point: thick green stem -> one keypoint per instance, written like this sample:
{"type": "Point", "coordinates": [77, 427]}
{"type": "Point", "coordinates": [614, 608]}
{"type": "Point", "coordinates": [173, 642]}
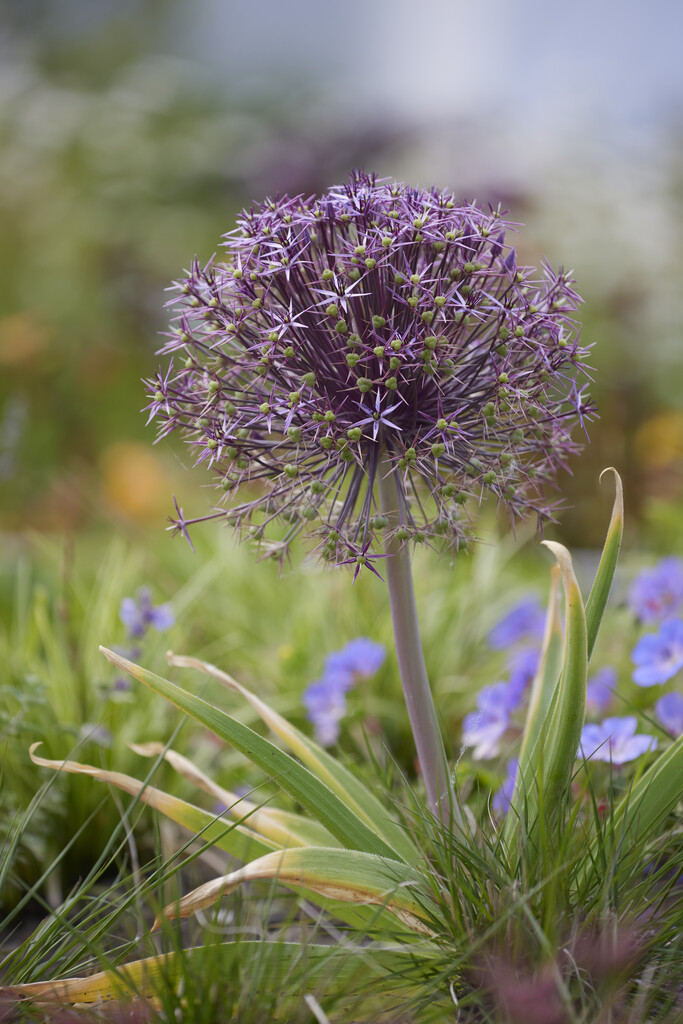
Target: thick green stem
{"type": "Point", "coordinates": [411, 664]}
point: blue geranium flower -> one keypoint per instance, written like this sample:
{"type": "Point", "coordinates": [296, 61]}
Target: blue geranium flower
{"type": "Point", "coordinates": [669, 711]}
{"type": "Point", "coordinates": [525, 621]}
{"type": "Point", "coordinates": [614, 741]}
{"type": "Point", "coordinates": [325, 699]}
{"type": "Point", "coordinates": [361, 657]}
{"type": "Point", "coordinates": [138, 614]}
{"type": "Point", "coordinates": [601, 687]}
{"type": "Point", "coordinates": [503, 797]}
{"type": "Point", "coordinates": [659, 656]}
{"type": "Point", "coordinates": [657, 592]}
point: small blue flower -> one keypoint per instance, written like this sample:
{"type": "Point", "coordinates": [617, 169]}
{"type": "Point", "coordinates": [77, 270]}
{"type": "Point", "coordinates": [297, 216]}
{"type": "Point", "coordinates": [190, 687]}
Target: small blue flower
{"type": "Point", "coordinates": [522, 665]}
{"type": "Point", "coordinates": [325, 703]}
{"type": "Point", "coordinates": [657, 592]}
{"type": "Point", "coordinates": [484, 728]}
{"type": "Point", "coordinates": [669, 711]}
{"type": "Point", "coordinates": [659, 656]}
{"type": "Point", "coordinates": [601, 689]}
{"type": "Point", "coordinates": [325, 700]}
{"type": "Point", "coordinates": [95, 734]}
{"type": "Point", "coordinates": [525, 621]}
{"type": "Point", "coordinates": [360, 657]}
{"type": "Point", "coordinates": [138, 614]}
{"type": "Point", "coordinates": [503, 797]}
{"type": "Point", "coordinates": [614, 741]}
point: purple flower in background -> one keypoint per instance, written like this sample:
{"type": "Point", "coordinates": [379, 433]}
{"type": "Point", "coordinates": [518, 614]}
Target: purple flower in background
{"type": "Point", "coordinates": [325, 703]}
{"type": "Point", "coordinates": [657, 592]}
{"type": "Point", "coordinates": [525, 621]}
{"type": "Point", "coordinates": [503, 797]}
{"type": "Point", "coordinates": [377, 325]}
{"type": "Point", "coordinates": [669, 711]}
{"type": "Point", "coordinates": [361, 657]}
{"type": "Point", "coordinates": [484, 728]}
{"type": "Point", "coordinates": [601, 687]}
{"type": "Point", "coordinates": [522, 665]}
{"type": "Point", "coordinates": [138, 614]}
{"type": "Point", "coordinates": [614, 741]}
{"type": "Point", "coordinates": [659, 656]}
{"type": "Point", "coordinates": [325, 700]}
{"type": "Point", "coordinates": [95, 734]}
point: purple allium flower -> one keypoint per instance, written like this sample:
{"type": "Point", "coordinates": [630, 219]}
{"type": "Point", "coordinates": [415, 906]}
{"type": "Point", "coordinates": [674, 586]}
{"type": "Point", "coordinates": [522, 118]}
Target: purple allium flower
{"type": "Point", "coordinates": [659, 656]}
{"type": "Point", "coordinates": [138, 614]}
{"type": "Point", "coordinates": [503, 797]}
{"type": "Point", "coordinates": [657, 592]}
{"type": "Point", "coordinates": [669, 711]}
{"type": "Point", "coordinates": [601, 687]}
{"type": "Point", "coordinates": [377, 325]}
{"type": "Point", "coordinates": [361, 657]}
{"type": "Point", "coordinates": [525, 621]}
{"type": "Point", "coordinates": [614, 740]}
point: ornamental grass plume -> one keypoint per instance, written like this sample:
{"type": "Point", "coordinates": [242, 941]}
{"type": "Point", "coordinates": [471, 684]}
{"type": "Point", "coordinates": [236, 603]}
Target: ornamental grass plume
{"type": "Point", "coordinates": [360, 366]}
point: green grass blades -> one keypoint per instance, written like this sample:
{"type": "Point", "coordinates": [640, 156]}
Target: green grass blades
{"type": "Point", "coordinates": [328, 769]}
{"type": "Point", "coordinates": [636, 815]}
{"type": "Point", "coordinates": [316, 798]}
{"type": "Point", "coordinates": [345, 875]}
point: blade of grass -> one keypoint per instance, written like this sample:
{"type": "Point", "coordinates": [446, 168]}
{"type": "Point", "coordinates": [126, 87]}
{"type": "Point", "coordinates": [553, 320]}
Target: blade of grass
{"type": "Point", "coordinates": [602, 584]}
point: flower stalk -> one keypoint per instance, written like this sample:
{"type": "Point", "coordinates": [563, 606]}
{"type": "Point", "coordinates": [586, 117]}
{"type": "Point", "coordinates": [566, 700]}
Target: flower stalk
{"type": "Point", "coordinates": [411, 663]}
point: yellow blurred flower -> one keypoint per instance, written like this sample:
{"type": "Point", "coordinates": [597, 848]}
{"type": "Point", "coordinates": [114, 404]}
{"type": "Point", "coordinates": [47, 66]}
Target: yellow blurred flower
{"type": "Point", "coordinates": [659, 440]}
{"type": "Point", "coordinates": [134, 481]}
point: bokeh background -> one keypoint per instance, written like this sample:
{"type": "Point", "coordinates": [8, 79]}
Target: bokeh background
{"type": "Point", "coordinates": [131, 131]}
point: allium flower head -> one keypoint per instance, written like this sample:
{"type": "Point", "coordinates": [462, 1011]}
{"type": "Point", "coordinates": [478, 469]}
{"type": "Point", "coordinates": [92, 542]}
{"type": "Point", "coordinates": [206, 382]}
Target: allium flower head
{"type": "Point", "coordinates": [377, 328]}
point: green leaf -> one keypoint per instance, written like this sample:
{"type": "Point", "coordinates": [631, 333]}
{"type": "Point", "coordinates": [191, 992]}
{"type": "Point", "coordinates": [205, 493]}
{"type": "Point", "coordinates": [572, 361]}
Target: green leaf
{"type": "Point", "coordinates": [544, 777]}
{"type": "Point", "coordinates": [602, 584]}
{"type": "Point", "coordinates": [318, 800]}
{"type": "Point", "coordinates": [355, 794]}
{"type": "Point", "coordinates": [346, 875]}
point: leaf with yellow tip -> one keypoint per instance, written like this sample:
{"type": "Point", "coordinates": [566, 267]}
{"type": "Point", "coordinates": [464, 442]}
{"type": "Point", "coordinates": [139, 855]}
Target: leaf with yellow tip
{"type": "Point", "coordinates": [235, 838]}
{"type": "Point", "coordinates": [345, 875]}
{"type": "Point", "coordinates": [317, 798]}
{"type": "Point", "coordinates": [283, 828]}
{"type": "Point", "coordinates": [331, 967]}
{"type": "Point", "coordinates": [356, 795]}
